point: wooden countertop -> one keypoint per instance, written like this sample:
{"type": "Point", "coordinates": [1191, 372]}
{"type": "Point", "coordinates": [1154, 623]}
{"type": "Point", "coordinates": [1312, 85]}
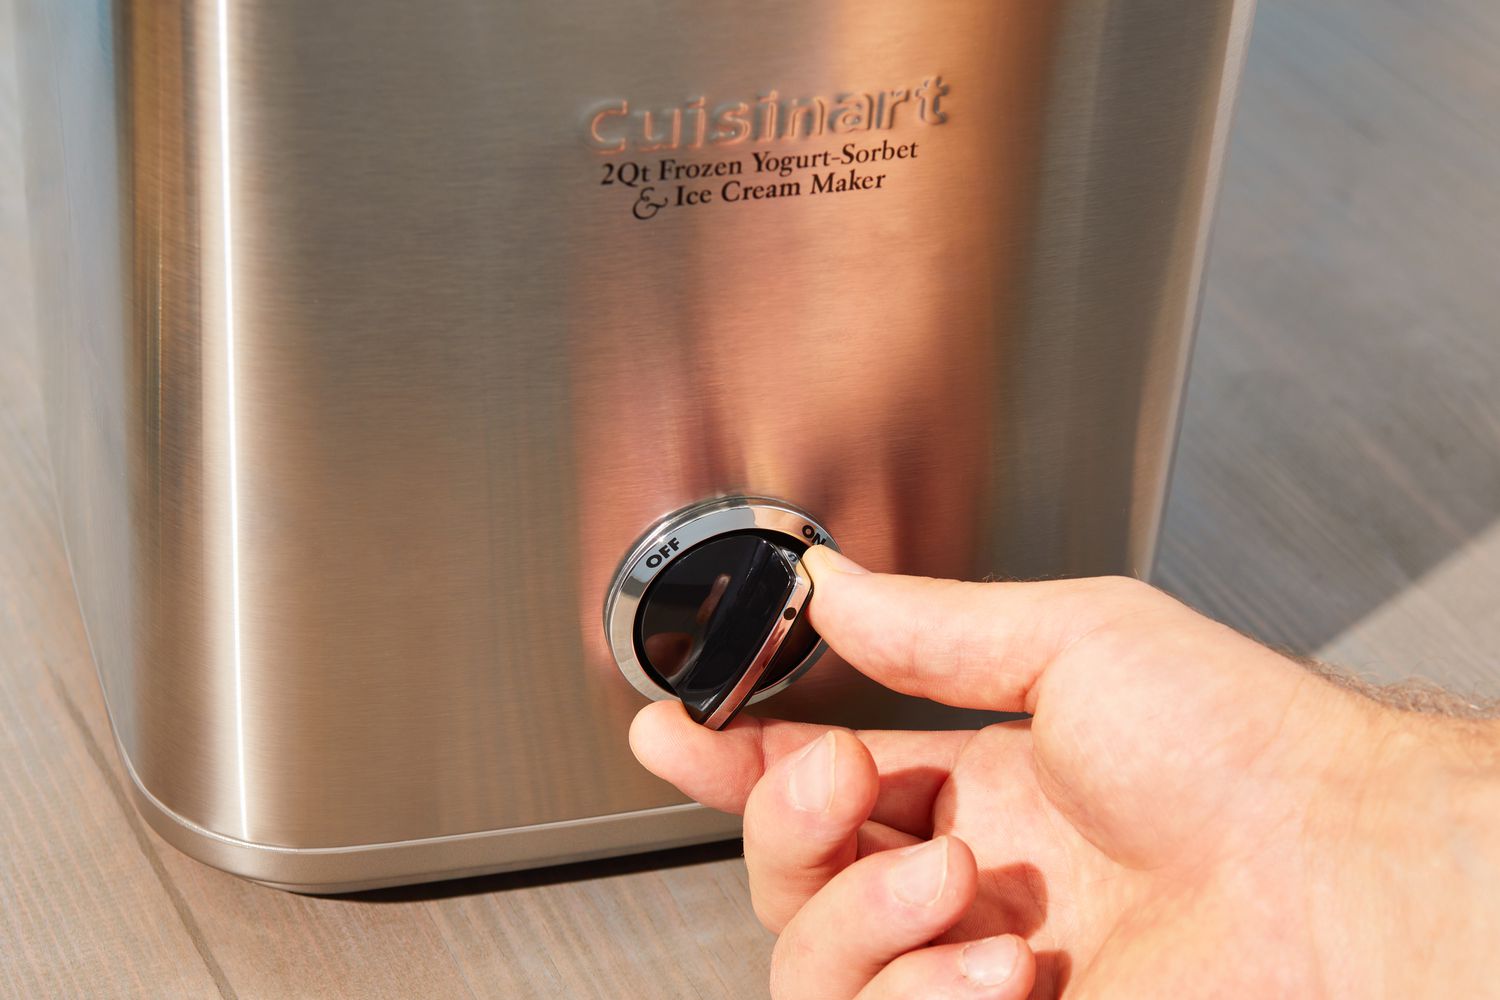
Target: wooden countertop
{"type": "Point", "coordinates": [1337, 492]}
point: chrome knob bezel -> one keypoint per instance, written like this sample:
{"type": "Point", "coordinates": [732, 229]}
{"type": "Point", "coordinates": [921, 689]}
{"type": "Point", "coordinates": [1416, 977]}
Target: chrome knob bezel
{"type": "Point", "coordinates": [689, 527]}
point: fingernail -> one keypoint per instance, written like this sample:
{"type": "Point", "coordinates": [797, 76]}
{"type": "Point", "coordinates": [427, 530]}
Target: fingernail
{"type": "Point", "coordinates": [812, 775]}
{"type": "Point", "coordinates": [918, 879]}
{"type": "Point", "coordinates": [990, 962]}
{"type": "Point", "coordinates": [831, 558]}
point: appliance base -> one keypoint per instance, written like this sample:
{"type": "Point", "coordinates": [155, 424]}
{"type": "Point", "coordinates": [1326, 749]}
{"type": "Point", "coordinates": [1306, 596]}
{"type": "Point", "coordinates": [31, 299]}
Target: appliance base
{"type": "Point", "coordinates": [332, 870]}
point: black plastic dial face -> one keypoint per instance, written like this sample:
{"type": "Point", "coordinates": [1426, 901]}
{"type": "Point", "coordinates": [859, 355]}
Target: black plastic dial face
{"type": "Point", "coordinates": [707, 614]}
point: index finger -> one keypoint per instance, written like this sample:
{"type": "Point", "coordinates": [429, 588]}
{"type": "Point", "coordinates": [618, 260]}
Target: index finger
{"type": "Point", "coordinates": [975, 645]}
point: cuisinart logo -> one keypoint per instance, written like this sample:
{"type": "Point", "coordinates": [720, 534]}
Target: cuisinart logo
{"type": "Point", "coordinates": [617, 127]}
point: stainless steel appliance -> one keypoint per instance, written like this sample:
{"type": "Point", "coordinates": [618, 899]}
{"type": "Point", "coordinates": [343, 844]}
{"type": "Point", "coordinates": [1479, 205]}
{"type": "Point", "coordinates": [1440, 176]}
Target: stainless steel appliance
{"type": "Point", "coordinates": [376, 336]}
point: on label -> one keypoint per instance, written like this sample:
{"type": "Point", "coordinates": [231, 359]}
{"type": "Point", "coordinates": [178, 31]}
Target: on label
{"type": "Point", "coordinates": [814, 536]}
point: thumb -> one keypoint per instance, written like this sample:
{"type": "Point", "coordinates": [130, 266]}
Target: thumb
{"type": "Point", "coordinates": [975, 645]}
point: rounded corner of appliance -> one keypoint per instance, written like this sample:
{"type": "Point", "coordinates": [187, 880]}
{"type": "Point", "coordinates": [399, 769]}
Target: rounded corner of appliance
{"type": "Point", "coordinates": [327, 871]}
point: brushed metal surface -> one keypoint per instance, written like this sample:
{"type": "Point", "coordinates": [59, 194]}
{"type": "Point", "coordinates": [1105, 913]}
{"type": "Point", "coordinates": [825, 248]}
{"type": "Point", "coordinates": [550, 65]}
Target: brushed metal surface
{"type": "Point", "coordinates": [360, 382]}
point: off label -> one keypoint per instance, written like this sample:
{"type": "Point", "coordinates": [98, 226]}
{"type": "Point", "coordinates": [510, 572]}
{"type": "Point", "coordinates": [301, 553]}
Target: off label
{"type": "Point", "coordinates": [667, 550]}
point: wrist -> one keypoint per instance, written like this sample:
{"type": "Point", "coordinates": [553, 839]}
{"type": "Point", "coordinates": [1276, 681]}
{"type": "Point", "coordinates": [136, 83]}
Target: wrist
{"type": "Point", "coordinates": [1421, 858]}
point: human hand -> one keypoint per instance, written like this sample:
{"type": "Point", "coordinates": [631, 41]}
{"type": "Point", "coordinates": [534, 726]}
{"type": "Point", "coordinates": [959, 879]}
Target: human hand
{"type": "Point", "coordinates": [1187, 813]}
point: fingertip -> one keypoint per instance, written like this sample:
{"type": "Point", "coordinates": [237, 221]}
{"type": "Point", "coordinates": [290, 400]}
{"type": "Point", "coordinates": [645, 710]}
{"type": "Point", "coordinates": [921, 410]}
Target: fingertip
{"type": "Point", "coordinates": [856, 763]}
{"type": "Point", "coordinates": [994, 968]}
{"type": "Point", "coordinates": [847, 601]}
{"type": "Point", "coordinates": [936, 880]}
{"type": "Point", "coordinates": [651, 732]}
{"type": "Point", "coordinates": [1000, 966]}
{"type": "Point", "coordinates": [821, 791]}
{"type": "Point", "coordinates": [826, 560]}
{"type": "Point", "coordinates": [963, 854]}
{"type": "Point", "coordinates": [961, 887]}
{"type": "Point", "coordinates": [963, 872]}
{"type": "Point", "coordinates": [855, 780]}
{"type": "Point", "coordinates": [873, 914]}
{"type": "Point", "coordinates": [717, 769]}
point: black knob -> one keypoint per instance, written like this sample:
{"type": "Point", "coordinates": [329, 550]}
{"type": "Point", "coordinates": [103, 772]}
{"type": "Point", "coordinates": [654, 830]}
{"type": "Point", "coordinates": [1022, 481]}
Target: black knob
{"type": "Point", "coordinates": [724, 619]}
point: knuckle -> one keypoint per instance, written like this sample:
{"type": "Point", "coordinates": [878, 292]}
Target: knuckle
{"type": "Point", "coordinates": [1116, 609]}
{"type": "Point", "coordinates": [1128, 589]}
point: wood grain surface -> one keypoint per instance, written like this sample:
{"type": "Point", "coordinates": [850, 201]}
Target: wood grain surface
{"type": "Point", "coordinates": [1337, 492]}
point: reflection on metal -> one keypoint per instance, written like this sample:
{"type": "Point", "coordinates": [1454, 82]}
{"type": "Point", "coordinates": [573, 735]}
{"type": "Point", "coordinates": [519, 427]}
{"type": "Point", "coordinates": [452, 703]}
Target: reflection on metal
{"type": "Point", "coordinates": [231, 436]}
